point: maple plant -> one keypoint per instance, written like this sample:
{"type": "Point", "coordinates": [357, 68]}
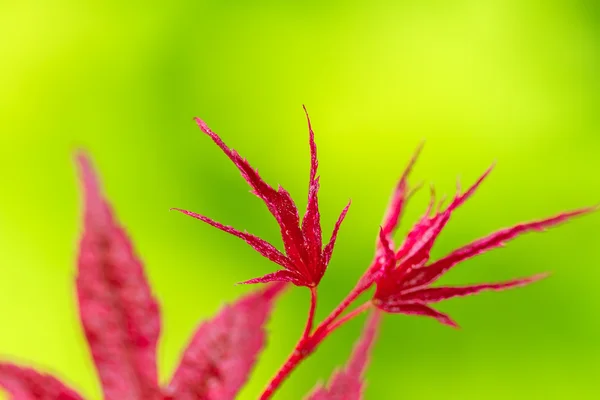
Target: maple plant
{"type": "Point", "coordinates": [121, 317]}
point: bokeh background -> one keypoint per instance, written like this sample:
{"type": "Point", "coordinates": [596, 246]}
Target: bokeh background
{"type": "Point", "coordinates": [481, 80]}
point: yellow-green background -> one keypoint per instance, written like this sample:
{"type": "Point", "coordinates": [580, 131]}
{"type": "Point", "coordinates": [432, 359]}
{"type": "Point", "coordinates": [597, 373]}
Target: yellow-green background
{"type": "Point", "coordinates": [508, 80]}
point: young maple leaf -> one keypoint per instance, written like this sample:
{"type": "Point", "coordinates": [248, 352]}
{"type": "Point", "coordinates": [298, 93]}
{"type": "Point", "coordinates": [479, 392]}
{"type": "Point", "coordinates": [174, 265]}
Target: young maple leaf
{"type": "Point", "coordinates": [121, 321]}
{"type": "Point", "coordinates": [404, 275]}
{"type": "Point", "coordinates": [347, 384]}
{"type": "Point", "coordinates": [305, 258]}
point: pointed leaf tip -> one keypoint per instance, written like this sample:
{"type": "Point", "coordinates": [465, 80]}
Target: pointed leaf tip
{"type": "Point", "coordinates": [400, 195]}
{"type": "Point", "coordinates": [461, 198]}
{"type": "Point", "coordinates": [223, 351]}
{"type": "Point", "coordinates": [277, 276]}
{"type": "Point", "coordinates": [202, 125]}
{"type": "Point", "coordinates": [386, 258]}
{"type": "Point", "coordinates": [328, 250]}
{"type": "Point", "coordinates": [348, 384]}
{"type": "Point", "coordinates": [437, 294]}
{"type": "Point", "coordinates": [424, 276]}
{"type": "Point", "coordinates": [263, 247]}
{"type": "Point", "coordinates": [415, 251]}
{"type": "Point", "coordinates": [311, 222]}
{"type": "Point", "coordinates": [399, 307]}
{"type": "Point", "coordinates": [87, 176]}
{"type": "Point", "coordinates": [119, 315]}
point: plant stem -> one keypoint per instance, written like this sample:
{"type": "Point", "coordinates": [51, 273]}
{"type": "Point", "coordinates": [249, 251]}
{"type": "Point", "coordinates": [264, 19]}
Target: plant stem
{"type": "Point", "coordinates": [293, 360]}
{"type": "Point", "coordinates": [309, 342]}
{"type": "Point", "coordinates": [305, 347]}
{"type": "Point", "coordinates": [311, 313]}
{"type": "Point", "coordinates": [336, 324]}
{"type": "Point", "coordinates": [363, 284]}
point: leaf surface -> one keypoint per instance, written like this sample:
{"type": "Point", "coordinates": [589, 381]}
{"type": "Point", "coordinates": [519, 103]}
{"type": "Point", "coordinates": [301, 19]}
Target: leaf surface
{"type": "Point", "coordinates": [120, 316]}
{"type": "Point", "coordinates": [223, 351]}
{"type": "Point", "coordinates": [348, 384]}
{"type": "Point", "coordinates": [28, 384]}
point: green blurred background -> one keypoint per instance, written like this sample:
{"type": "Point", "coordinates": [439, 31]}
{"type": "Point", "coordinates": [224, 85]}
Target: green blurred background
{"type": "Point", "coordinates": [508, 80]}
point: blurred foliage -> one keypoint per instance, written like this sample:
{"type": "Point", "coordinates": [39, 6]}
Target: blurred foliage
{"type": "Point", "coordinates": [510, 80]}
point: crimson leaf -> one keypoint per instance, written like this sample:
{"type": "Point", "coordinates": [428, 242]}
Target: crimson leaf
{"type": "Point", "coordinates": [119, 315]}
{"type": "Point", "coordinates": [347, 384]}
{"type": "Point", "coordinates": [223, 351]}
{"type": "Point", "coordinates": [28, 384]}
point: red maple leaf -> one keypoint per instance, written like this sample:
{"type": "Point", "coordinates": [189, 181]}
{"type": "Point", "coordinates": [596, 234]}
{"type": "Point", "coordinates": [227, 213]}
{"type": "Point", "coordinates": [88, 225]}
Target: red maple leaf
{"type": "Point", "coordinates": [305, 258]}
{"type": "Point", "coordinates": [121, 321]}
{"type": "Point", "coordinates": [347, 384]}
{"type": "Point", "coordinates": [404, 275]}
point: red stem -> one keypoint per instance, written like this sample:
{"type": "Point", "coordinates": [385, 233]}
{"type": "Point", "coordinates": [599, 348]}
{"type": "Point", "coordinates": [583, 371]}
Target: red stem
{"type": "Point", "coordinates": [362, 285]}
{"type": "Point", "coordinates": [311, 313]}
{"type": "Point", "coordinates": [352, 314]}
{"type": "Point", "coordinates": [305, 347]}
{"type": "Point", "coordinates": [293, 360]}
{"type": "Point", "coordinates": [309, 342]}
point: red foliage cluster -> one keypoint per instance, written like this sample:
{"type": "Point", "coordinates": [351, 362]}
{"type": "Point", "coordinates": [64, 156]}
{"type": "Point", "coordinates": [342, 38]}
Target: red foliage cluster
{"type": "Point", "coordinates": [306, 259]}
{"type": "Point", "coordinates": [121, 317]}
{"type": "Point", "coordinates": [404, 276]}
{"type": "Point", "coordinates": [121, 321]}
